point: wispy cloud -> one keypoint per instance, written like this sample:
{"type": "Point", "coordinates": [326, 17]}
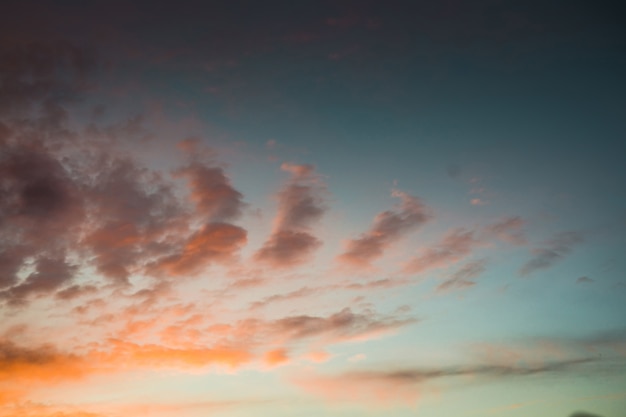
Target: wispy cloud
{"type": "Point", "coordinates": [388, 227]}
{"type": "Point", "coordinates": [454, 246]}
{"type": "Point", "coordinates": [405, 386]}
{"type": "Point", "coordinates": [508, 229]}
{"type": "Point", "coordinates": [463, 278]}
{"type": "Point", "coordinates": [552, 252]}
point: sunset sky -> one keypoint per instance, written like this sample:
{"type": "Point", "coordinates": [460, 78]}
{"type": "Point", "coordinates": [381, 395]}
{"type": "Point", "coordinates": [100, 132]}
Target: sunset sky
{"type": "Point", "coordinates": [312, 208]}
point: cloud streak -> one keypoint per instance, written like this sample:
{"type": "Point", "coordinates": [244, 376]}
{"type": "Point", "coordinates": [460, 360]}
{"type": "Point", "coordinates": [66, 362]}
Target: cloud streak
{"type": "Point", "coordinates": [388, 227]}
{"type": "Point", "coordinates": [552, 252]}
{"type": "Point", "coordinates": [405, 386]}
{"type": "Point", "coordinates": [455, 246]}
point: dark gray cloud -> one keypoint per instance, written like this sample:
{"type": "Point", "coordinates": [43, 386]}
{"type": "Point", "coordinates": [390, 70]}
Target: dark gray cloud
{"type": "Point", "coordinates": [50, 274]}
{"type": "Point", "coordinates": [64, 196]}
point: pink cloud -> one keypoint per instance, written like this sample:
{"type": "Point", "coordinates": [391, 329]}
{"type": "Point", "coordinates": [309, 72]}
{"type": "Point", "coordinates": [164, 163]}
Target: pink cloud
{"type": "Point", "coordinates": [455, 246]}
{"type": "Point", "coordinates": [301, 204]}
{"type": "Point", "coordinates": [388, 227]}
{"type": "Point", "coordinates": [212, 192]}
{"type": "Point", "coordinates": [214, 242]}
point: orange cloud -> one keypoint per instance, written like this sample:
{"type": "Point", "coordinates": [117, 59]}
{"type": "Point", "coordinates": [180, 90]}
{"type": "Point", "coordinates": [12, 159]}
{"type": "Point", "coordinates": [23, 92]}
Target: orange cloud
{"type": "Point", "coordinates": [122, 354]}
{"type": "Point", "coordinates": [43, 363]}
{"type": "Point", "coordinates": [276, 357]}
{"type": "Point", "coordinates": [215, 241]}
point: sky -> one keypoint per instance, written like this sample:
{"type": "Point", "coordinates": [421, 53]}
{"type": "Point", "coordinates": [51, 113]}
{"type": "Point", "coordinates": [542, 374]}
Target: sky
{"type": "Point", "coordinates": [312, 208]}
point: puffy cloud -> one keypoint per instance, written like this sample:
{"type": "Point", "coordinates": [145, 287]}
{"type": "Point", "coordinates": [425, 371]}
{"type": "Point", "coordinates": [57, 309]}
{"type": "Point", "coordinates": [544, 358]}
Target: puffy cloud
{"type": "Point", "coordinates": [49, 275]}
{"type": "Point", "coordinates": [554, 250]}
{"type": "Point", "coordinates": [212, 192]}
{"type": "Point", "coordinates": [455, 246]}
{"type": "Point", "coordinates": [136, 210]}
{"type": "Point", "coordinates": [41, 210]}
{"type": "Point", "coordinates": [301, 204]}
{"type": "Point", "coordinates": [64, 196]}
{"type": "Point", "coordinates": [388, 227]}
{"type": "Point", "coordinates": [214, 242]}
{"type": "Point", "coordinates": [42, 363]}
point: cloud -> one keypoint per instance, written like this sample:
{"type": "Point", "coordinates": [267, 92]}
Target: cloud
{"type": "Point", "coordinates": [214, 242]}
{"type": "Point", "coordinates": [276, 357]}
{"type": "Point", "coordinates": [299, 293]}
{"type": "Point", "coordinates": [150, 356]}
{"type": "Point", "coordinates": [552, 252]}
{"type": "Point", "coordinates": [41, 210]}
{"type": "Point", "coordinates": [456, 245]}
{"type": "Point", "coordinates": [508, 230]}
{"type": "Point", "coordinates": [478, 202]}
{"type": "Point", "coordinates": [49, 275]}
{"type": "Point", "coordinates": [212, 192]}
{"type": "Point", "coordinates": [584, 280]}
{"type": "Point", "coordinates": [42, 363]}
{"type": "Point", "coordinates": [301, 204]}
{"type": "Point", "coordinates": [405, 386]}
{"type": "Point", "coordinates": [287, 248]}
{"type": "Point", "coordinates": [76, 291]}
{"type": "Point", "coordinates": [64, 196]}
{"type": "Point", "coordinates": [388, 227]}
{"type": "Point", "coordinates": [463, 277]}
{"type": "Point", "coordinates": [342, 326]}
{"type": "Point", "coordinates": [136, 209]}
